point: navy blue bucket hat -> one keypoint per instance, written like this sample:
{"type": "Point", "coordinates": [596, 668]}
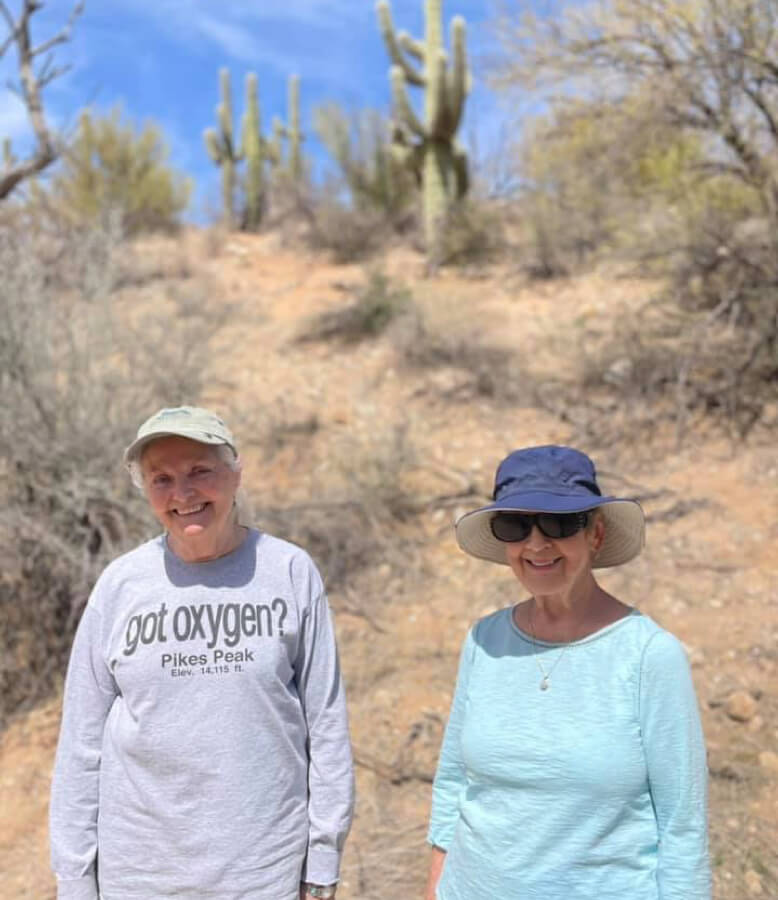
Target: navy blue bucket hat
{"type": "Point", "coordinates": [553, 479]}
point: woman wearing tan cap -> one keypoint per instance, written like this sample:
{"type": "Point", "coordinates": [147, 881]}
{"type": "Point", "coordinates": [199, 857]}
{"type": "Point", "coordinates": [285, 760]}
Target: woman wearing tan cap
{"type": "Point", "coordinates": [204, 748]}
{"type": "Point", "coordinates": [573, 764]}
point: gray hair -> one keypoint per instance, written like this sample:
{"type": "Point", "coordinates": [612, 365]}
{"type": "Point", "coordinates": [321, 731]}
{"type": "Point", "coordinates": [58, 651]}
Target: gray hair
{"type": "Point", "coordinates": [225, 453]}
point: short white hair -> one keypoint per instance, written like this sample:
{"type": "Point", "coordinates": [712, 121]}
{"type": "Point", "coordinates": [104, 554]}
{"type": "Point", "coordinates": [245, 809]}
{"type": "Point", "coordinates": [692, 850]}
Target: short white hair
{"type": "Point", "coordinates": [225, 453]}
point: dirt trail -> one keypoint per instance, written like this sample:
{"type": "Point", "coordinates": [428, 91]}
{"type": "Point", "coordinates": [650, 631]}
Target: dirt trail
{"type": "Point", "coordinates": [320, 419]}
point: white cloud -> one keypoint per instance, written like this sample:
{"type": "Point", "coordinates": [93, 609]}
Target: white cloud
{"type": "Point", "coordinates": [14, 122]}
{"type": "Point", "coordinates": [237, 42]}
{"type": "Point", "coordinates": [240, 13]}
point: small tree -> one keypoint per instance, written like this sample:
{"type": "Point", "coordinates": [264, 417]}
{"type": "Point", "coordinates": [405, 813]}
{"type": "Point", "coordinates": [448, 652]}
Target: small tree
{"type": "Point", "coordinates": [701, 75]}
{"type": "Point", "coordinates": [111, 165]}
{"type": "Point", "coordinates": [709, 67]}
{"type": "Point", "coordinates": [597, 177]}
{"type": "Point", "coordinates": [32, 83]}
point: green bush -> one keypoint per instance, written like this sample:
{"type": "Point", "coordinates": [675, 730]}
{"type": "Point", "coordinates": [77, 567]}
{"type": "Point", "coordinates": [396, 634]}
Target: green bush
{"type": "Point", "coordinates": [473, 233]}
{"type": "Point", "coordinates": [348, 233]}
{"type": "Point", "coordinates": [110, 165]}
{"type": "Point", "coordinates": [376, 303]}
{"type": "Point", "coordinates": [375, 181]}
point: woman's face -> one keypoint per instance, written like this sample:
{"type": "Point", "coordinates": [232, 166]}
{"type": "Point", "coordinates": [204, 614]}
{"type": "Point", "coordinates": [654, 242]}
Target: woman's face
{"type": "Point", "coordinates": [548, 566]}
{"type": "Point", "coordinates": [191, 491]}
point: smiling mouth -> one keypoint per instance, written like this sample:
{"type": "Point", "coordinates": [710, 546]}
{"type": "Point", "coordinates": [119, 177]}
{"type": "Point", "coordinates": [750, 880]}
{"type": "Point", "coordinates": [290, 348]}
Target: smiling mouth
{"type": "Point", "coordinates": [541, 564]}
{"type": "Point", "coordinates": [190, 511]}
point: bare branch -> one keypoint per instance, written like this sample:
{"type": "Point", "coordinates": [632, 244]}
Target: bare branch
{"type": "Point", "coordinates": [32, 85]}
{"type": "Point", "coordinates": [64, 35]}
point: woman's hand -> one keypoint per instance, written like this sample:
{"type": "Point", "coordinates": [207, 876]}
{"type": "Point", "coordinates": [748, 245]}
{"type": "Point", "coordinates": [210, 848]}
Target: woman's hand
{"type": "Point", "coordinates": [304, 895]}
{"type": "Point", "coordinates": [437, 859]}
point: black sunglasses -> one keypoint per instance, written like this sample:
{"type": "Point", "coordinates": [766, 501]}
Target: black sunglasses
{"type": "Point", "coordinates": [510, 526]}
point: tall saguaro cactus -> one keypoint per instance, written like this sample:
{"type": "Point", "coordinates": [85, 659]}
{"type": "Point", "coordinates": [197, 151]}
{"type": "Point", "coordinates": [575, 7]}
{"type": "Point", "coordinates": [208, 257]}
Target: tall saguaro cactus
{"type": "Point", "coordinates": [433, 148]}
{"type": "Point", "coordinates": [292, 162]}
{"type": "Point", "coordinates": [254, 148]}
{"type": "Point", "coordinates": [293, 129]}
{"type": "Point", "coordinates": [222, 148]}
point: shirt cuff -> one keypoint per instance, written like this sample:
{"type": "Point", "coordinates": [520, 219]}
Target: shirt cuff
{"type": "Point", "coordinates": [321, 867]}
{"type": "Point", "coordinates": [84, 888]}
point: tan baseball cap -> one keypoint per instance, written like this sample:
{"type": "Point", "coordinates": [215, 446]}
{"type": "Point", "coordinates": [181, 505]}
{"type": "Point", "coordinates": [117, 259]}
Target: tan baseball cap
{"type": "Point", "coordinates": [191, 422]}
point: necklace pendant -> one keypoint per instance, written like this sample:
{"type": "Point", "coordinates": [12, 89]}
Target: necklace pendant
{"type": "Point", "coordinates": [544, 683]}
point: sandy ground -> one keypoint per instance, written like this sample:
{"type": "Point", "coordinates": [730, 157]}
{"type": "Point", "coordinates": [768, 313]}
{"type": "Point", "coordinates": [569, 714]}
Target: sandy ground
{"type": "Point", "coordinates": [325, 420]}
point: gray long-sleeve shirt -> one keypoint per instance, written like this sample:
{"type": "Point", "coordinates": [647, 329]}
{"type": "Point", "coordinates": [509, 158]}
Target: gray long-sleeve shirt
{"type": "Point", "coordinates": [204, 749]}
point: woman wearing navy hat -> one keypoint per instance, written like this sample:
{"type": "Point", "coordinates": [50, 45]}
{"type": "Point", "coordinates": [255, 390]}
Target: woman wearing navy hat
{"type": "Point", "coordinates": [573, 764]}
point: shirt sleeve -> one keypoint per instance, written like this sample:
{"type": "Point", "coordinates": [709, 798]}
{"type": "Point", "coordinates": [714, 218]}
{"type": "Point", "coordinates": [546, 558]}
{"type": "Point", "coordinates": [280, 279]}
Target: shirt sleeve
{"type": "Point", "coordinates": [90, 691]}
{"type": "Point", "coordinates": [450, 777]}
{"type": "Point", "coordinates": [330, 765]}
{"type": "Point", "coordinates": [677, 770]}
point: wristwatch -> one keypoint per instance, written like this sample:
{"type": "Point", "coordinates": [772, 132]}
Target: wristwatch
{"type": "Point", "coordinates": [324, 891]}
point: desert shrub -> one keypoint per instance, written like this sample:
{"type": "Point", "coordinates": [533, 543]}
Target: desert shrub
{"type": "Point", "coordinates": [355, 521]}
{"type": "Point", "coordinates": [704, 353]}
{"type": "Point", "coordinates": [564, 197]}
{"type": "Point", "coordinates": [376, 303]}
{"type": "Point", "coordinates": [715, 85]}
{"type": "Point", "coordinates": [473, 233]}
{"type": "Point", "coordinates": [79, 369]}
{"type": "Point", "coordinates": [346, 232]}
{"type": "Point", "coordinates": [467, 366]}
{"type": "Point", "coordinates": [684, 163]}
{"type": "Point", "coordinates": [599, 180]}
{"type": "Point", "coordinates": [290, 205]}
{"type": "Point", "coordinates": [110, 165]}
{"type": "Point", "coordinates": [374, 179]}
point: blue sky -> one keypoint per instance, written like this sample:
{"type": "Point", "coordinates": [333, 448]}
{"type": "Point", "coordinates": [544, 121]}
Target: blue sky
{"type": "Point", "coordinates": [159, 59]}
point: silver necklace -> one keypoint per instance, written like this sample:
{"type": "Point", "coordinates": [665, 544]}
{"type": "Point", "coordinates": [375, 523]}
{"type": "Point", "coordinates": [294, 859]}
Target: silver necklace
{"type": "Point", "coordinates": [545, 682]}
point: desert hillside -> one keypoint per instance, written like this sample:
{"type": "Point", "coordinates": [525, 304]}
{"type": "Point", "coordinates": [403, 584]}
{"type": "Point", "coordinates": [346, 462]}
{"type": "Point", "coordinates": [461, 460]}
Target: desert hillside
{"type": "Point", "coordinates": [364, 442]}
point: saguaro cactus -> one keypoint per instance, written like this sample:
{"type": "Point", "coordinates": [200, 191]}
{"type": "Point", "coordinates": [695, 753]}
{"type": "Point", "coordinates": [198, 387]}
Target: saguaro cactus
{"type": "Point", "coordinates": [293, 129]}
{"type": "Point", "coordinates": [292, 162]}
{"type": "Point", "coordinates": [222, 149]}
{"type": "Point", "coordinates": [430, 145]}
{"type": "Point", "coordinates": [254, 149]}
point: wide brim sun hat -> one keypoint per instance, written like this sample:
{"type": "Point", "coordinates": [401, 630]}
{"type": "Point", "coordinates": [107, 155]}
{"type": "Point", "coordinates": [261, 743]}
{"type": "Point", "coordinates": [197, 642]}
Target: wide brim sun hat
{"type": "Point", "coordinates": [191, 422]}
{"type": "Point", "coordinates": [553, 479]}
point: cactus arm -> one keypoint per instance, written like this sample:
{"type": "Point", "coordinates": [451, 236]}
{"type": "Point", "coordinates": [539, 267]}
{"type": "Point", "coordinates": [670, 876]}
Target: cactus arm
{"type": "Point", "coordinates": [402, 154]}
{"type": "Point", "coordinates": [434, 96]}
{"type": "Point", "coordinates": [411, 46]}
{"type": "Point", "coordinates": [412, 75]}
{"type": "Point", "coordinates": [275, 146]}
{"type": "Point", "coordinates": [295, 135]}
{"type": "Point", "coordinates": [224, 114]}
{"type": "Point", "coordinates": [437, 114]}
{"type": "Point", "coordinates": [220, 146]}
{"type": "Point", "coordinates": [212, 145]}
{"type": "Point", "coordinates": [461, 171]}
{"type": "Point", "coordinates": [402, 104]}
{"type": "Point", "coordinates": [433, 27]}
{"type": "Point", "coordinates": [458, 86]}
{"type": "Point", "coordinates": [251, 126]}
{"type": "Point", "coordinates": [225, 129]}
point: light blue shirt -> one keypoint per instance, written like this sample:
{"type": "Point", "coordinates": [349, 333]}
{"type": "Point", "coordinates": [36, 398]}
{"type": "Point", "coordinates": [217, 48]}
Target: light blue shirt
{"type": "Point", "coordinates": [595, 789]}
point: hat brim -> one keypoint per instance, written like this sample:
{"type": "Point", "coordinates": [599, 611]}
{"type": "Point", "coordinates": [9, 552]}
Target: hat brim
{"type": "Point", "coordinates": [133, 452]}
{"type": "Point", "coordinates": [624, 525]}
